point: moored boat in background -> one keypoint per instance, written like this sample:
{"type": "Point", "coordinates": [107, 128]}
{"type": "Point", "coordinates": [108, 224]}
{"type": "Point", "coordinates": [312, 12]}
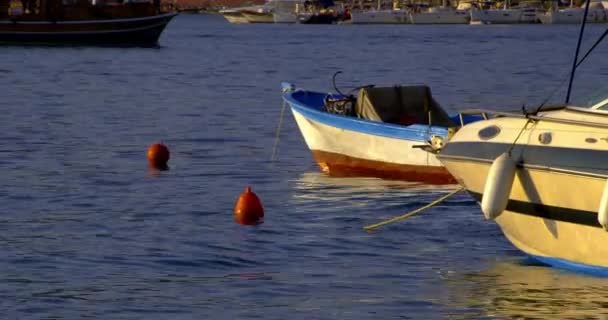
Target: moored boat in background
{"type": "Point", "coordinates": [97, 23]}
{"type": "Point", "coordinates": [233, 15]}
{"type": "Point", "coordinates": [385, 16]}
{"type": "Point", "coordinates": [258, 14]}
{"type": "Point", "coordinates": [573, 16]}
{"type": "Point", "coordinates": [439, 15]}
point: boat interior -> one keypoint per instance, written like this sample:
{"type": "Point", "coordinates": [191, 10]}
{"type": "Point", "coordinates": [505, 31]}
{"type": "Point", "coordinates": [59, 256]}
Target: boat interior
{"type": "Point", "coordinates": [401, 105]}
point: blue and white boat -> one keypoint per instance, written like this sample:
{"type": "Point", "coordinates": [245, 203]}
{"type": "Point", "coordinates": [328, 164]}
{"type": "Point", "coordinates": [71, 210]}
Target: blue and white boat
{"type": "Point", "coordinates": [379, 133]}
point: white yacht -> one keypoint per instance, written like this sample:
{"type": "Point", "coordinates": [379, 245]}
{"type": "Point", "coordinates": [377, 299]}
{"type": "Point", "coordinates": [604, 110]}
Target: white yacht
{"type": "Point", "coordinates": [233, 16]}
{"type": "Point", "coordinates": [573, 15]}
{"type": "Point", "coordinates": [505, 15]}
{"type": "Point", "coordinates": [386, 16]}
{"type": "Point", "coordinates": [258, 14]}
{"type": "Point", "coordinates": [495, 16]}
{"type": "Point", "coordinates": [440, 15]}
{"type": "Point", "coordinates": [384, 12]}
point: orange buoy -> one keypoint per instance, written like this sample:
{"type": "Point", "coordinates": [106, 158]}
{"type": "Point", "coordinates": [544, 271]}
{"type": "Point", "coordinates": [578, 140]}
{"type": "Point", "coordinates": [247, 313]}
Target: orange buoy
{"type": "Point", "coordinates": [158, 156]}
{"type": "Point", "coordinates": [248, 209]}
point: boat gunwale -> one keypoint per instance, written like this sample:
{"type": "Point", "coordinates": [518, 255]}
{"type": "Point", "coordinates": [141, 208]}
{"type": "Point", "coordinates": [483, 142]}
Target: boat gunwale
{"type": "Point", "coordinates": [91, 21]}
{"type": "Point", "coordinates": [543, 118]}
{"type": "Point", "coordinates": [372, 126]}
{"type": "Point", "coordinates": [522, 165]}
{"type": "Point", "coordinates": [152, 26]}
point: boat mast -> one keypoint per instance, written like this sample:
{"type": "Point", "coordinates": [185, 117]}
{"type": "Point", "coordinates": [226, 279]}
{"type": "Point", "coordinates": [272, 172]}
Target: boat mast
{"type": "Point", "coordinates": [578, 47]}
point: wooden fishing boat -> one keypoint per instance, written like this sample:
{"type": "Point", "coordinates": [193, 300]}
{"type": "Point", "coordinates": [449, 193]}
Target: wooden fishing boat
{"type": "Point", "coordinates": [376, 134]}
{"type": "Point", "coordinates": [55, 22]}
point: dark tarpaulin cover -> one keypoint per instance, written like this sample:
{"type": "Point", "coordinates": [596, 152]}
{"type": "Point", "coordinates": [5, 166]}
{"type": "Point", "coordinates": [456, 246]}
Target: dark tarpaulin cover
{"type": "Point", "coordinates": [401, 105]}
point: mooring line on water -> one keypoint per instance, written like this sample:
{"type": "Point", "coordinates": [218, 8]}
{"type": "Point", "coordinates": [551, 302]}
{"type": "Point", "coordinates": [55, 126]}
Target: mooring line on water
{"type": "Point", "coordinates": [414, 212]}
{"type": "Point", "coordinates": [276, 139]}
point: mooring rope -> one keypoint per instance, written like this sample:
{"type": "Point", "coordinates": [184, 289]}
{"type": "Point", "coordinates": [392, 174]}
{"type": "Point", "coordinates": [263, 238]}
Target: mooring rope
{"type": "Point", "coordinates": [414, 212]}
{"type": "Point", "coordinates": [278, 133]}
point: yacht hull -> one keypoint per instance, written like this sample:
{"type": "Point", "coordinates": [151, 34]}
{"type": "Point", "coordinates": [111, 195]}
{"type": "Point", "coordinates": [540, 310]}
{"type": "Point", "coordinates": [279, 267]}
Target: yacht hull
{"type": "Point", "coordinates": [440, 17]}
{"type": "Point", "coordinates": [379, 17]}
{"type": "Point", "coordinates": [573, 16]}
{"type": "Point", "coordinates": [496, 16]}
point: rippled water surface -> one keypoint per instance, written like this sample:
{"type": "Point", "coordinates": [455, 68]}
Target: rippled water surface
{"type": "Point", "coordinates": [88, 231]}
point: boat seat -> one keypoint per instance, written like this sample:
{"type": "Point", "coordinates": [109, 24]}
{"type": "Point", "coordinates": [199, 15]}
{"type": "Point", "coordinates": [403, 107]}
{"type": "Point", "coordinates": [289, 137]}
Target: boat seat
{"type": "Point", "coordinates": [402, 105]}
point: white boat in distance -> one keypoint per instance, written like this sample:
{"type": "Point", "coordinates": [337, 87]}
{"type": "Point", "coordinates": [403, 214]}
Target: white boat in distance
{"type": "Point", "coordinates": [233, 16]}
{"type": "Point", "coordinates": [573, 16]}
{"type": "Point", "coordinates": [388, 16]}
{"type": "Point", "coordinates": [439, 15]}
{"type": "Point", "coordinates": [258, 14]}
{"type": "Point", "coordinates": [495, 16]}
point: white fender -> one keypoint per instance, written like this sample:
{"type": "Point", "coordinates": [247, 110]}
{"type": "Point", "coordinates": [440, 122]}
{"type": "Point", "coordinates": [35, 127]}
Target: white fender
{"type": "Point", "coordinates": [602, 213]}
{"type": "Point", "coordinates": [498, 186]}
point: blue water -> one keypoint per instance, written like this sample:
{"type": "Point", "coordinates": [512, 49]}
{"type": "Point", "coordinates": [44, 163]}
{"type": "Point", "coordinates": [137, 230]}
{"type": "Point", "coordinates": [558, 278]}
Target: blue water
{"type": "Point", "coordinates": [88, 231]}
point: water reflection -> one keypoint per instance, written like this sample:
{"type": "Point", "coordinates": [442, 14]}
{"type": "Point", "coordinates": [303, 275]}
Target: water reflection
{"type": "Point", "coordinates": [319, 185]}
{"type": "Point", "coordinates": [524, 290]}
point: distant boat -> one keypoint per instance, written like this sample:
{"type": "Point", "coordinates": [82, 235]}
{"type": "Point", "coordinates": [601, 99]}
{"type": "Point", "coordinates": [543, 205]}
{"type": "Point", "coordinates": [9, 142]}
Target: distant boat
{"type": "Point", "coordinates": [381, 134]}
{"type": "Point", "coordinates": [504, 15]}
{"type": "Point", "coordinates": [62, 22]}
{"type": "Point", "coordinates": [573, 16]}
{"type": "Point", "coordinates": [380, 14]}
{"type": "Point", "coordinates": [233, 16]}
{"type": "Point", "coordinates": [388, 16]}
{"type": "Point", "coordinates": [495, 16]}
{"type": "Point", "coordinates": [439, 15]}
{"type": "Point", "coordinates": [258, 14]}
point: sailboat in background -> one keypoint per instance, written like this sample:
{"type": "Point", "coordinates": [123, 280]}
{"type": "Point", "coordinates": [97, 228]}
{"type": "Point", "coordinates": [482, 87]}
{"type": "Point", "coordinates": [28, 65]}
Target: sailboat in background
{"type": "Point", "coordinates": [444, 14]}
{"type": "Point", "coordinates": [572, 15]}
{"type": "Point", "coordinates": [379, 15]}
{"type": "Point", "coordinates": [233, 15]}
{"type": "Point", "coordinates": [82, 22]}
{"type": "Point", "coordinates": [505, 15]}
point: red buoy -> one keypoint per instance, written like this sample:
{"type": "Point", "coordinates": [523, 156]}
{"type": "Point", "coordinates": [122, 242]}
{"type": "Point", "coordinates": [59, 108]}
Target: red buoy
{"type": "Point", "coordinates": [248, 209]}
{"type": "Point", "coordinates": [158, 156]}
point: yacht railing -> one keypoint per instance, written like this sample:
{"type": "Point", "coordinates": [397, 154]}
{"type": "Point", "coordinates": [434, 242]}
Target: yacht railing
{"type": "Point", "coordinates": [487, 114]}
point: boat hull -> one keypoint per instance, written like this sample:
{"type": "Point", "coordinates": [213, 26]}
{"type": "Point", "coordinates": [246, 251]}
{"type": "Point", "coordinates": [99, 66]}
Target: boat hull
{"type": "Point", "coordinates": [379, 17]}
{"type": "Point", "coordinates": [135, 31]}
{"type": "Point", "coordinates": [496, 16]}
{"type": "Point", "coordinates": [552, 209]}
{"type": "Point", "coordinates": [258, 17]}
{"type": "Point", "coordinates": [441, 17]}
{"type": "Point", "coordinates": [234, 17]}
{"type": "Point", "coordinates": [347, 146]}
{"type": "Point", "coordinates": [573, 16]}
